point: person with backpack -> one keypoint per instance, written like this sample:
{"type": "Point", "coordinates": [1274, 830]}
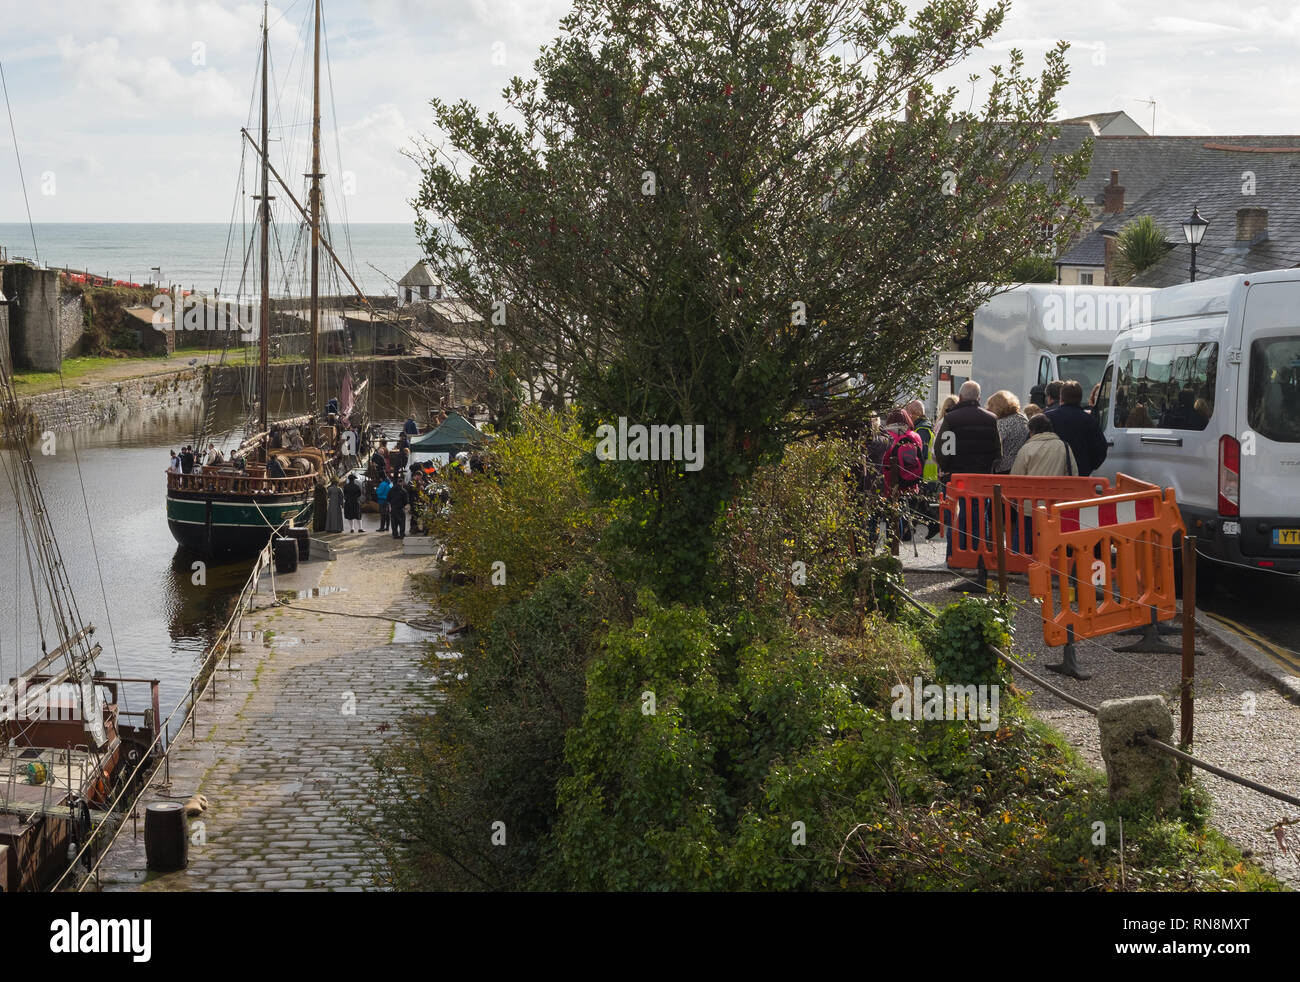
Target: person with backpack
{"type": "Point", "coordinates": [903, 465]}
{"type": "Point", "coordinates": [928, 492]}
{"type": "Point", "coordinates": [925, 430]}
{"type": "Point", "coordinates": [904, 460]}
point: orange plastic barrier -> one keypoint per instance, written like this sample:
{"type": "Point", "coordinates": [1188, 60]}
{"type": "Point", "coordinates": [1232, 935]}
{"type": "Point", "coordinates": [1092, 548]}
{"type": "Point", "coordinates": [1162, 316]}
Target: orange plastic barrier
{"type": "Point", "coordinates": [972, 494]}
{"type": "Point", "coordinates": [1119, 545]}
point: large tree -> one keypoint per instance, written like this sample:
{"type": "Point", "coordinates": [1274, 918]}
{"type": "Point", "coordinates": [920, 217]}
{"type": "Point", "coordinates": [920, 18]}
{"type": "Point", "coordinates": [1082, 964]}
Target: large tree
{"type": "Point", "coordinates": [715, 211]}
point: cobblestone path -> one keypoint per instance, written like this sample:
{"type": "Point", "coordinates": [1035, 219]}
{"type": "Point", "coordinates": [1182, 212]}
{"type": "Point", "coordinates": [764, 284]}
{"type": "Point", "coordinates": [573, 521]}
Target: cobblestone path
{"type": "Point", "coordinates": [281, 753]}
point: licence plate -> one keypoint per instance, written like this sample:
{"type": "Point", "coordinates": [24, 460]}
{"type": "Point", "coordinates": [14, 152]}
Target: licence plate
{"type": "Point", "coordinates": [1286, 537]}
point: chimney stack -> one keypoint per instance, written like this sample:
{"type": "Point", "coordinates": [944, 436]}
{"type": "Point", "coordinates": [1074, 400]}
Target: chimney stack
{"type": "Point", "coordinates": [1113, 196]}
{"type": "Point", "coordinates": [1252, 225]}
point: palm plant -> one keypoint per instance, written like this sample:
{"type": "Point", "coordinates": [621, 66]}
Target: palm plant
{"type": "Point", "coordinates": [1142, 244]}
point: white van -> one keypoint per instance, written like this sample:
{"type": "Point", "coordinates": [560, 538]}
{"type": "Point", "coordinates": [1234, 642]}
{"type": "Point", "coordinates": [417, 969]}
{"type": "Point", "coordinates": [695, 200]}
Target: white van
{"type": "Point", "coordinates": [1036, 332]}
{"type": "Point", "coordinates": [1204, 397]}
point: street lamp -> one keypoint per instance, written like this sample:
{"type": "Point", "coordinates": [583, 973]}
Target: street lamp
{"type": "Point", "coordinates": [1194, 230]}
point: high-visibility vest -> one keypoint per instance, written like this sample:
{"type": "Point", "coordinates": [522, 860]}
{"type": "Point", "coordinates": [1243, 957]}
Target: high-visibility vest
{"type": "Point", "coordinates": [931, 470]}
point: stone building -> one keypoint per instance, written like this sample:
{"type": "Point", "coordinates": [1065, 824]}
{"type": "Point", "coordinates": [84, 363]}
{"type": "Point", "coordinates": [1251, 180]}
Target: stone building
{"type": "Point", "coordinates": [45, 325]}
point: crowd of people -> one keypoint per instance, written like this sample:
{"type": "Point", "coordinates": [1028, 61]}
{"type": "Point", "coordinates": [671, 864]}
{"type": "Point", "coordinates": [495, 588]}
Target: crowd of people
{"type": "Point", "coordinates": [907, 460]}
{"type": "Point", "coordinates": [401, 490]}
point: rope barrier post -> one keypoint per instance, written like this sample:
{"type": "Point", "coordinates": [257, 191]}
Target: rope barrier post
{"type": "Point", "coordinates": [999, 534]}
{"type": "Point", "coordinates": [1189, 639]}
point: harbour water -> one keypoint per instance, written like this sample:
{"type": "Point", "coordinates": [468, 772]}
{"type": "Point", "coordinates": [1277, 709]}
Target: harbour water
{"type": "Point", "coordinates": [207, 257]}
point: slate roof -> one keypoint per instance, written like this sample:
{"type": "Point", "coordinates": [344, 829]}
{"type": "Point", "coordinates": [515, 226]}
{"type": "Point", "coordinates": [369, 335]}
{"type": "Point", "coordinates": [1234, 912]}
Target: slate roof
{"type": "Point", "coordinates": [1090, 250]}
{"type": "Point", "coordinates": [1146, 163]}
{"type": "Point", "coordinates": [1211, 178]}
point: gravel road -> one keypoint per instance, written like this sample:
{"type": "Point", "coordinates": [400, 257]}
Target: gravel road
{"type": "Point", "coordinates": [1244, 723]}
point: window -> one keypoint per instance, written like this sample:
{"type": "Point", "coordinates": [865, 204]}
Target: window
{"type": "Point", "coordinates": [1274, 393]}
{"type": "Point", "coordinates": [1044, 370]}
{"type": "Point", "coordinates": [1084, 369]}
{"type": "Point", "coordinates": [1103, 397]}
{"type": "Point", "coordinates": [1085, 279]}
{"type": "Point", "coordinates": [1168, 386]}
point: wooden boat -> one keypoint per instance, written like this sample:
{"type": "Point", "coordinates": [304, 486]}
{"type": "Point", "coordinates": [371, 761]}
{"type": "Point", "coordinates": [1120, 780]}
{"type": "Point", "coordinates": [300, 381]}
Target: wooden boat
{"type": "Point", "coordinates": [229, 511]}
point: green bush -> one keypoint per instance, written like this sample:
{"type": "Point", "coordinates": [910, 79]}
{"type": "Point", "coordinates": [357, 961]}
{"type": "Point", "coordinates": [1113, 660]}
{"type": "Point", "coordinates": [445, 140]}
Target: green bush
{"type": "Point", "coordinates": [531, 513]}
{"type": "Point", "coordinates": [961, 639]}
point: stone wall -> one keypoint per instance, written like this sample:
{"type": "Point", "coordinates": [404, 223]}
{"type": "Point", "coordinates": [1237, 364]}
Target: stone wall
{"type": "Point", "coordinates": [138, 397]}
{"type": "Point", "coordinates": [44, 325]}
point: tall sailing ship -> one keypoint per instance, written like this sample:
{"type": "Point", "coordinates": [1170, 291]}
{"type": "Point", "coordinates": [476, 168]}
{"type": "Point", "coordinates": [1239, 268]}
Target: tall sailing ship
{"type": "Point", "coordinates": [228, 510]}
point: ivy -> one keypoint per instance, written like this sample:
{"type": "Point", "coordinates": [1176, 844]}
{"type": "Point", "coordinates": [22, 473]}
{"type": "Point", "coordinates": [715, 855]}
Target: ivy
{"type": "Point", "coordinates": [962, 638]}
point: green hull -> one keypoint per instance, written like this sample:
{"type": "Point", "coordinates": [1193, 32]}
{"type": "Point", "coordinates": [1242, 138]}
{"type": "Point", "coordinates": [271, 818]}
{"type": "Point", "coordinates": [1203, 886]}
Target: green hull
{"type": "Point", "coordinates": [230, 526]}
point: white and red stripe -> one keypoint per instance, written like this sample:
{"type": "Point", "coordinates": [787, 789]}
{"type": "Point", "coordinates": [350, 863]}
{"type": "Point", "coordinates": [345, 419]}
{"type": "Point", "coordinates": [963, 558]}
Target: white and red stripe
{"type": "Point", "coordinates": [1106, 513]}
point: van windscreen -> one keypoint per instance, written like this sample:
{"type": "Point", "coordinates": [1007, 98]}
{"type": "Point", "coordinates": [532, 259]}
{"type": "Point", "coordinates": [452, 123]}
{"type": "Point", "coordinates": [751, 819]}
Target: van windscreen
{"type": "Point", "coordinates": [1274, 407]}
{"type": "Point", "coordinates": [1084, 369]}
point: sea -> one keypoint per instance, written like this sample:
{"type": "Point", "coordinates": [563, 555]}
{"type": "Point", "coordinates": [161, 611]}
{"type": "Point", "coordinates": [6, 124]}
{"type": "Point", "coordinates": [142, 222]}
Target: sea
{"type": "Point", "coordinates": [211, 257]}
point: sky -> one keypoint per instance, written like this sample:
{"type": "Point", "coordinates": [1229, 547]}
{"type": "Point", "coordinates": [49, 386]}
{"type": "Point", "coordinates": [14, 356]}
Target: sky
{"type": "Point", "coordinates": [130, 110]}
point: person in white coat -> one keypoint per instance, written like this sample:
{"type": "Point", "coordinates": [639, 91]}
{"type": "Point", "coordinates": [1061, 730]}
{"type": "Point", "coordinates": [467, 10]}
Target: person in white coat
{"type": "Point", "coordinates": [1044, 453]}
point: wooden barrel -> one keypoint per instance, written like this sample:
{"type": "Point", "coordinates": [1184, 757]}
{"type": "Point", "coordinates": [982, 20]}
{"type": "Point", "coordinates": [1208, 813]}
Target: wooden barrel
{"type": "Point", "coordinates": [286, 555]}
{"type": "Point", "coordinates": [166, 838]}
{"type": "Point", "coordinates": [303, 538]}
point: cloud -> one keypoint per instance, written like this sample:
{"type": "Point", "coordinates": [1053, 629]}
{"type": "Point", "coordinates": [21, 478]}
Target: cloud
{"type": "Point", "coordinates": [126, 83]}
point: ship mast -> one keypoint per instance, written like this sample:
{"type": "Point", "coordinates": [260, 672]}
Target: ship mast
{"type": "Point", "coordinates": [264, 354]}
{"type": "Point", "coordinates": [314, 204]}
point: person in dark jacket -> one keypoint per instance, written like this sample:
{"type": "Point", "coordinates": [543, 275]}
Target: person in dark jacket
{"type": "Point", "coordinates": [352, 504]}
{"type": "Point", "coordinates": [967, 442]}
{"type": "Point", "coordinates": [397, 498]}
{"type": "Point", "coordinates": [1080, 429]}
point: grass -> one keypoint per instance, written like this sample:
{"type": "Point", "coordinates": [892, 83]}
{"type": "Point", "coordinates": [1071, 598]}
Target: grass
{"type": "Point", "coordinates": [74, 369]}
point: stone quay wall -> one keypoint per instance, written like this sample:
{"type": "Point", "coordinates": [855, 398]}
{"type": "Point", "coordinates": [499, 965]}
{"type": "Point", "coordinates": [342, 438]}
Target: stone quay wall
{"type": "Point", "coordinates": [78, 406]}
